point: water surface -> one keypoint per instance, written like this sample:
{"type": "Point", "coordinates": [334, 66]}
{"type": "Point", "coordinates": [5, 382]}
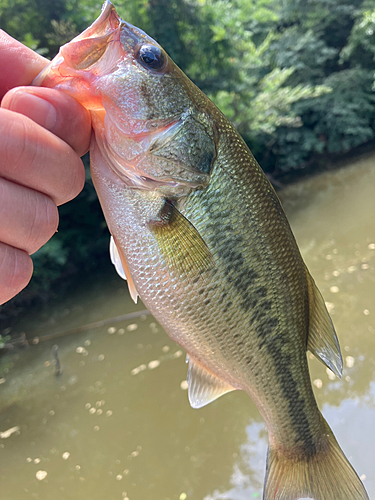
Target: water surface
{"type": "Point", "coordinates": [117, 424]}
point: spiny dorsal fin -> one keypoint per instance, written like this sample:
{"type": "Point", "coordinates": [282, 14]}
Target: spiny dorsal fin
{"type": "Point", "coordinates": [179, 241]}
{"type": "Point", "coordinates": [322, 340]}
{"type": "Point", "coordinates": [118, 260]}
{"type": "Point", "coordinates": [204, 386]}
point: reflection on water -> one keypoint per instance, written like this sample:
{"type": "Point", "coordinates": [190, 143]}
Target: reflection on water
{"type": "Point", "coordinates": [116, 423]}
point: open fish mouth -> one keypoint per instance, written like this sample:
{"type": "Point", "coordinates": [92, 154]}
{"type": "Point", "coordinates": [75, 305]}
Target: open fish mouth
{"type": "Point", "coordinates": [105, 27]}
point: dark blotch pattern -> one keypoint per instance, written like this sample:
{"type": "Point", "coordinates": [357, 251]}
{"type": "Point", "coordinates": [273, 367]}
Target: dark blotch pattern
{"type": "Point", "coordinates": [274, 340]}
{"type": "Point", "coordinates": [255, 299]}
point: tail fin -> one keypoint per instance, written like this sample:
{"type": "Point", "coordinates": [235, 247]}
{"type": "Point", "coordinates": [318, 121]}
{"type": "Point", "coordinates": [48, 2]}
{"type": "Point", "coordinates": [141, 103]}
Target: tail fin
{"type": "Point", "coordinates": [325, 476]}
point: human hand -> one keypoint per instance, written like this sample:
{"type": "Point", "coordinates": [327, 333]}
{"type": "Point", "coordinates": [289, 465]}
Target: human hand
{"type": "Point", "coordinates": [43, 133]}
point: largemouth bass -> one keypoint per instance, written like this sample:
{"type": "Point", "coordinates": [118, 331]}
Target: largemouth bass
{"type": "Point", "coordinates": [200, 235]}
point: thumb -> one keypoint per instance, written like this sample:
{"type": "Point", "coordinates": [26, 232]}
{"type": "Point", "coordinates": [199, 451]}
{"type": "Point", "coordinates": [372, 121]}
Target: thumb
{"type": "Point", "coordinates": [19, 64]}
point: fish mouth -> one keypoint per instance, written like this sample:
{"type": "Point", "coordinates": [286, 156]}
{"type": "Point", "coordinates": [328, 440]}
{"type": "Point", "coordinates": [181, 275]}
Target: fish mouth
{"type": "Point", "coordinates": [80, 61]}
{"type": "Point", "coordinates": [84, 50]}
{"type": "Point", "coordinates": [88, 47]}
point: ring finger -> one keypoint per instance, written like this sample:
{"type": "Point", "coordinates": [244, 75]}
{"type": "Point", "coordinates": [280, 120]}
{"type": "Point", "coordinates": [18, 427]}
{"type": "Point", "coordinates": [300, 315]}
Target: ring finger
{"type": "Point", "coordinates": [28, 218]}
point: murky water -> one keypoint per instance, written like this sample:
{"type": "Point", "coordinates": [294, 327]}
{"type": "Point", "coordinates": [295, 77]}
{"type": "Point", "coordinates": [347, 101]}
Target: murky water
{"type": "Point", "coordinates": [117, 424]}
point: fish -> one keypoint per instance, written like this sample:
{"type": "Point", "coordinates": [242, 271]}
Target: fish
{"type": "Point", "coordinates": [200, 236]}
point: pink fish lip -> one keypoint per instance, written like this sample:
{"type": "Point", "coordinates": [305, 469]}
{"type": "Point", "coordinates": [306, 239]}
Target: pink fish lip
{"type": "Point", "coordinates": [107, 27]}
{"type": "Point", "coordinates": [108, 22]}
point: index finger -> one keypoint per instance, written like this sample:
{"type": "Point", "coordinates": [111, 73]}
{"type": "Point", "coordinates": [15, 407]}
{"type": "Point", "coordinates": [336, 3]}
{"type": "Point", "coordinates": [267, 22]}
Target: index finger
{"type": "Point", "coordinates": [19, 64]}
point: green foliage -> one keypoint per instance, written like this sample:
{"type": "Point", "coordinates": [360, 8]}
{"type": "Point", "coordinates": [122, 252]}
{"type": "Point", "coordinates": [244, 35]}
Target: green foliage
{"type": "Point", "coordinates": [323, 42]}
{"type": "Point", "coordinates": [30, 20]}
{"type": "Point", "coordinates": [334, 122]}
{"type": "Point", "coordinates": [3, 340]}
{"type": "Point", "coordinates": [294, 76]}
{"type": "Point", "coordinates": [304, 51]}
{"type": "Point", "coordinates": [271, 107]}
{"type": "Point", "coordinates": [361, 42]}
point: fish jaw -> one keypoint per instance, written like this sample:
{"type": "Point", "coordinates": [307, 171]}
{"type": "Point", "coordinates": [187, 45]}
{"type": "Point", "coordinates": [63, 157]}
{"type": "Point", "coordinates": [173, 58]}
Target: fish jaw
{"type": "Point", "coordinates": [79, 63]}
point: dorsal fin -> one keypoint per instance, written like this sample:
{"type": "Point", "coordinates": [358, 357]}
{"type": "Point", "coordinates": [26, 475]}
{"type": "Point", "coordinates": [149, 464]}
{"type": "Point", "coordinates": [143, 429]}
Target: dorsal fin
{"type": "Point", "coordinates": [322, 340]}
{"type": "Point", "coordinates": [204, 386]}
{"type": "Point", "coordinates": [118, 260]}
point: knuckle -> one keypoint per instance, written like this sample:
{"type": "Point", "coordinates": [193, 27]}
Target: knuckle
{"type": "Point", "coordinates": [16, 145]}
{"type": "Point", "coordinates": [75, 124]}
{"type": "Point", "coordinates": [36, 158]}
{"type": "Point", "coordinates": [75, 175]}
{"type": "Point", "coordinates": [23, 269]}
{"type": "Point", "coordinates": [43, 225]}
{"type": "Point", "coordinates": [16, 269]}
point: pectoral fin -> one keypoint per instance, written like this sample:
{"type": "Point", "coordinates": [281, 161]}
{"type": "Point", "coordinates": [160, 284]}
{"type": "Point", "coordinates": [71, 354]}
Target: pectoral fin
{"type": "Point", "coordinates": [322, 340]}
{"type": "Point", "coordinates": [180, 243]}
{"type": "Point", "coordinates": [204, 386]}
{"type": "Point", "coordinates": [118, 260]}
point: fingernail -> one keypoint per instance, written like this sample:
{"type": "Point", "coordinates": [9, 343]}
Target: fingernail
{"type": "Point", "coordinates": [36, 108]}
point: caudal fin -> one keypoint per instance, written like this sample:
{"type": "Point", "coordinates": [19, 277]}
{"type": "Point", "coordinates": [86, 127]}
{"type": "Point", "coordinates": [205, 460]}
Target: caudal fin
{"type": "Point", "coordinates": [327, 475]}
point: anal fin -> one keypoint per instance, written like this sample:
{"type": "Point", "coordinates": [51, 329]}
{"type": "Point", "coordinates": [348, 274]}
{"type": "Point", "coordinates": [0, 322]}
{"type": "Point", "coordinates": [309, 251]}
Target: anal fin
{"type": "Point", "coordinates": [322, 340]}
{"type": "Point", "coordinates": [204, 386]}
{"type": "Point", "coordinates": [118, 260]}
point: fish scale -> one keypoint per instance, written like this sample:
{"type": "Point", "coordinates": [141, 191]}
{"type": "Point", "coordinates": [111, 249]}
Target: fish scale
{"type": "Point", "coordinates": [201, 237]}
{"type": "Point", "coordinates": [234, 262]}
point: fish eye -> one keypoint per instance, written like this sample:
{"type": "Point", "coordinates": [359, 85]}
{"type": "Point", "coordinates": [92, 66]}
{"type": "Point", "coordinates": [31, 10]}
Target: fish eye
{"type": "Point", "coordinates": [151, 57]}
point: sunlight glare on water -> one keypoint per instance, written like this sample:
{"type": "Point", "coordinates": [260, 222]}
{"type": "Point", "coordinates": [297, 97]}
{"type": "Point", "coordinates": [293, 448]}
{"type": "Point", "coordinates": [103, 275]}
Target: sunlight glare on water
{"type": "Point", "coordinates": [116, 424]}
